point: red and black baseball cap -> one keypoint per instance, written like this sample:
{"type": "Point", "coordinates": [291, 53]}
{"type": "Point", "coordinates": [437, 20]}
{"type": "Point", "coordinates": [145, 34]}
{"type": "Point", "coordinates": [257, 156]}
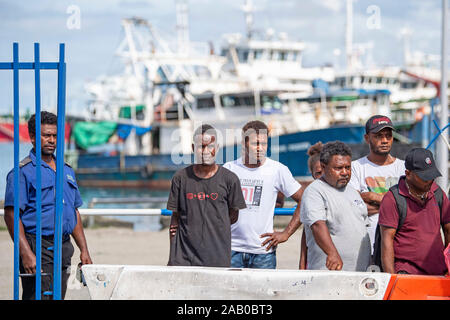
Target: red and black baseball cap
{"type": "Point", "coordinates": [421, 162]}
{"type": "Point", "coordinates": [377, 123]}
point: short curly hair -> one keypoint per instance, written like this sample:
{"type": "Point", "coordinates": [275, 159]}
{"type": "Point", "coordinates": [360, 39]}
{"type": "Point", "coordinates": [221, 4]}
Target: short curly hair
{"type": "Point", "coordinates": [332, 149]}
{"type": "Point", "coordinates": [255, 126]}
{"type": "Point", "coordinates": [314, 154]}
{"type": "Point", "coordinates": [46, 118]}
{"type": "Point", "coordinates": [205, 128]}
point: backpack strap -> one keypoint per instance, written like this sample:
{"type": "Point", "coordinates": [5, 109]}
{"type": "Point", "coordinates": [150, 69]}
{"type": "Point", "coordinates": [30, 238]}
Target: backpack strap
{"type": "Point", "coordinates": [439, 196]}
{"type": "Point", "coordinates": [400, 201]}
{"type": "Point", "coordinates": [401, 205]}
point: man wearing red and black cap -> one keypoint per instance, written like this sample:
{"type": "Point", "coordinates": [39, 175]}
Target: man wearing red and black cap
{"type": "Point", "coordinates": [416, 247]}
{"type": "Point", "coordinates": [377, 123]}
{"type": "Point", "coordinates": [374, 174]}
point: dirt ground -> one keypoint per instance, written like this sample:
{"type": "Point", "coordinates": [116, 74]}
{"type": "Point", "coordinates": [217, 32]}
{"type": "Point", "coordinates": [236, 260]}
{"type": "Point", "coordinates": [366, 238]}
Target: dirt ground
{"type": "Point", "coordinates": [115, 245]}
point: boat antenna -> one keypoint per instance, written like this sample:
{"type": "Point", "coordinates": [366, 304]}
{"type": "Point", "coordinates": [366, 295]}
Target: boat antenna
{"type": "Point", "coordinates": [405, 34]}
{"type": "Point", "coordinates": [349, 35]}
{"type": "Point", "coordinates": [182, 26]}
{"type": "Point", "coordinates": [248, 11]}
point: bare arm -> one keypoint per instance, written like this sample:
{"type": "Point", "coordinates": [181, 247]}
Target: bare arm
{"type": "Point", "coordinates": [303, 256]}
{"type": "Point", "coordinates": [80, 240]}
{"type": "Point", "coordinates": [27, 255]}
{"type": "Point", "coordinates": [372, 197]}
{"type": "Point", "coordinates": [234, 215]}
{"type": "Point", "coordinates": [174, 220]}
{"type": "Point", "coordinates": [387, 249]}
{"type": "Point", "coordinates": [323, 239]}
{"type": "Point", "coordinates": [280, 200]}
{"type": "Point", "coordinates": [446, 234]}
{"type": "Point", "coordinates": [372, 209]}
{"type": "Point", "coordinates": [274, 238]}
{"type": "Point", "coordinates": [372, 200]}
{"type": "Point", "coordinates": [295, 223]}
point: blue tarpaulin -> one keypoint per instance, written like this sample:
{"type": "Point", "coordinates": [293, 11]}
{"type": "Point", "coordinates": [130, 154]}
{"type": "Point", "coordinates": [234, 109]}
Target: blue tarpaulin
{"type": "Point", "coordinates": [124, 130]}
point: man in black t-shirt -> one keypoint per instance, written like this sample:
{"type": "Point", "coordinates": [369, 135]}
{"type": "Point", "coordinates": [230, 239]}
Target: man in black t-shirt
{"type": "Point", "coordinates": [205, 199]}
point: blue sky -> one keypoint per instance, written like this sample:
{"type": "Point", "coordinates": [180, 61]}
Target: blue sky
{"type": "Point", "coordinates": [90, 49]}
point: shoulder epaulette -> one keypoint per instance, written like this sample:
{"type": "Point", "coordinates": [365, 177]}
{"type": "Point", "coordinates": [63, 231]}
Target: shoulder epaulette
{"type": "Point", "coordinates": [24, 161]}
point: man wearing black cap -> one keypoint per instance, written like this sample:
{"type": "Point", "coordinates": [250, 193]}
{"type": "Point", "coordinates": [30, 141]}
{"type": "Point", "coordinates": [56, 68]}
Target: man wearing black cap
{"type": "Point", "coordinates": [416, 247]}
{"type": "Point", "coordinates": [374, 174]}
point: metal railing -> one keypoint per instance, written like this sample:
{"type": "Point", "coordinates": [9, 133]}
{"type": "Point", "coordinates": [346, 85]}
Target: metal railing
{"type": "Point", "coordinates": [37, 66]}
{"type": "Point", "coordinates": [142, 212]}
{"type": "Point", "coordinates": [148, 212]}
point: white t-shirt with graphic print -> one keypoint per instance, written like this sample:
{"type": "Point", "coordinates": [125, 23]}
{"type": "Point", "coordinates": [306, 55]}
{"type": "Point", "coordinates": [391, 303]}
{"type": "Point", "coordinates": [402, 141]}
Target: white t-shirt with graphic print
{"type": "Point", "coordinates": [260, 187]}
{"type": "Point", "coordinates": [368, 176]}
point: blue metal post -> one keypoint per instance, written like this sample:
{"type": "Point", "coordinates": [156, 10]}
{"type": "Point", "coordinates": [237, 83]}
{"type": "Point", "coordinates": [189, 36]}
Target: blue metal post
{"type": "Point", "coordinates": [59, 175]}
{"type": "Point", "coordinates": [16, 168]}
{"type": "Point", "coordinates": [37, 65]}
{"type": "Point", "coordinates": [37, 84]}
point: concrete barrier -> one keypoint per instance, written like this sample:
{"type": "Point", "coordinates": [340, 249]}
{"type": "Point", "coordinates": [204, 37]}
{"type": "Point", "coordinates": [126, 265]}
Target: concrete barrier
{"type": "Point", "coordinates": [126, 282]}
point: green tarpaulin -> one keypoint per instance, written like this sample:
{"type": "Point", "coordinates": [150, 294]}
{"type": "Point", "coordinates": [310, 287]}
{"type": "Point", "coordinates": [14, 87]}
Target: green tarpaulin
{"type": "Point", "coordinates": [125, 111]}
{"type": "Point", "coordinates": [88, 134]}
{"type": "Point", "coordinates": [344, 98]}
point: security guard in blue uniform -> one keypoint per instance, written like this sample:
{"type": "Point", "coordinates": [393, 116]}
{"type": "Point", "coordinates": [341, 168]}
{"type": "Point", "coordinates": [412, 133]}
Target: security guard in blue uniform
{"type": "Point", "coordinates": [71, 220]}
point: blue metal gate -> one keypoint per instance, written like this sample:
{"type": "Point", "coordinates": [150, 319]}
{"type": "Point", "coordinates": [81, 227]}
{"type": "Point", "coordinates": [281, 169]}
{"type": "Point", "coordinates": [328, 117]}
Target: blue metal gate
{"type": "Point", "coordinates": [37, 66]}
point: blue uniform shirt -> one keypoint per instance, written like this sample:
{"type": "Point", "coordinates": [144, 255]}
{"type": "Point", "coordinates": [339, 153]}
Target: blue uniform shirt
{"type": "Point", "coordinates": [27, 197]}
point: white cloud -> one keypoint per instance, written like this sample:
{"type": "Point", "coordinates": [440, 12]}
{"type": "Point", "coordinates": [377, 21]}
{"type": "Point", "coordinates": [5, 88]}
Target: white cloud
{"type": "Point", "coordinates": [320, 23]}
{"type": "Point", "coordinates": [333, 5]}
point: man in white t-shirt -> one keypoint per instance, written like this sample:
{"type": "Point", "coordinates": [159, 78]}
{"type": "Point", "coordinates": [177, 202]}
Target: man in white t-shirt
{"type": "Point", "coordinates": [253, 240]}
{"type": "Point", "coordinates": [375, 173]}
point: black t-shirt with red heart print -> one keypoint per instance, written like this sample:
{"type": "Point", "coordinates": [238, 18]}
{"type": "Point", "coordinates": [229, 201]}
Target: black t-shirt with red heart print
{"type": "Point", "coordinates": [203, 237]}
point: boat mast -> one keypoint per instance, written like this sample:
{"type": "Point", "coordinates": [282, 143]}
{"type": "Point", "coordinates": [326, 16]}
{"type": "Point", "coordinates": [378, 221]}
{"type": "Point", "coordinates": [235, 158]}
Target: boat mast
{"type": "Point", "coordinates": [441, 146]}
{"type": "Point", "coordinates": [349, 42]}
{"type": "Point", "coordinates": [349, 36]}
{"type": "Point", "coordinates": [248, 11]}
{"type": "Point", "coordinates": [405, 33]}
{"type": "Point", "coordinates": [182, 26]}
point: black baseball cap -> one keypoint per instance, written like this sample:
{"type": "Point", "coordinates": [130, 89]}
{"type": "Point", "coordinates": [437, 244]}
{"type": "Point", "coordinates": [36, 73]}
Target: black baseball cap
{"type": "Point", "coordinates": [377, 123]}
{"type": "Point", "coordinates": [421, 162]}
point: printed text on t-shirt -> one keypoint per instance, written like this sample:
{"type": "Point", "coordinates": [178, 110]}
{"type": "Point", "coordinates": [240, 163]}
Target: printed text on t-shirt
{"type": "Point", "coordinates": [252, 191]}
{"type": "Point", "coordinates": [201, 196]}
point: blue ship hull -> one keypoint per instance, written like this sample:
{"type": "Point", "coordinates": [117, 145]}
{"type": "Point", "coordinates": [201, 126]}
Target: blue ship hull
{"type": "Point", "coordinates": [156, 171]}
{"type": "Point", "coordinates": [294, 147]}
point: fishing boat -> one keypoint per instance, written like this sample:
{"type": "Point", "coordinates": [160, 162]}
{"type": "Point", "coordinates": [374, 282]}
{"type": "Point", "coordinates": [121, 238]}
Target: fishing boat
{"type": "Point", "coordinates": [137, 129]}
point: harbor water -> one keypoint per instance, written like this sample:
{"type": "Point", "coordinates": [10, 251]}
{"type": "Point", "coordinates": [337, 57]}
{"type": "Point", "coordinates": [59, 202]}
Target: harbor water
{"type": "Point", "coordinates": [140, 223]}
